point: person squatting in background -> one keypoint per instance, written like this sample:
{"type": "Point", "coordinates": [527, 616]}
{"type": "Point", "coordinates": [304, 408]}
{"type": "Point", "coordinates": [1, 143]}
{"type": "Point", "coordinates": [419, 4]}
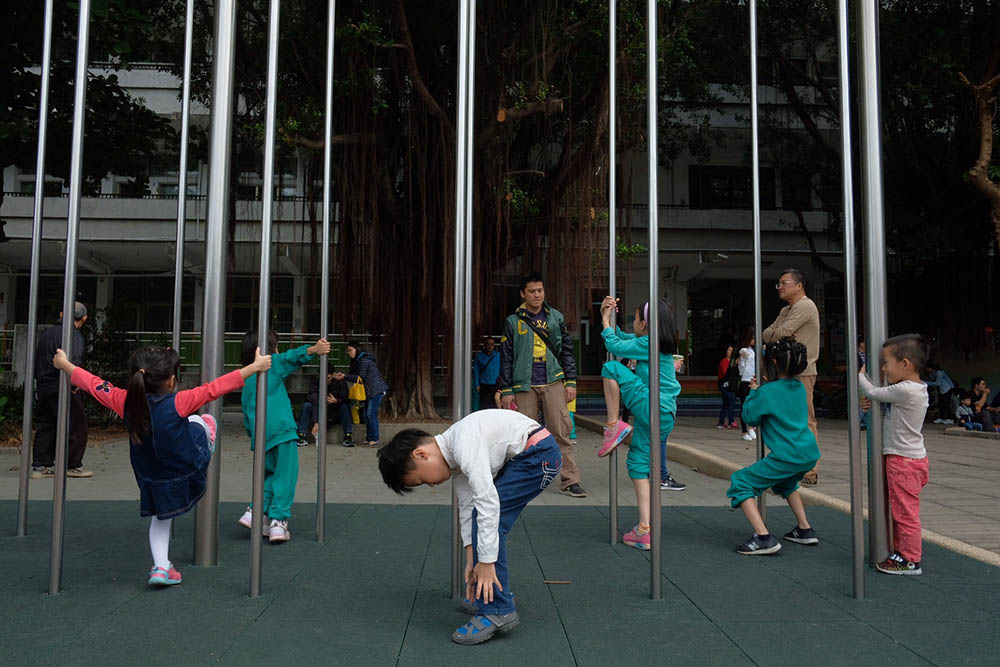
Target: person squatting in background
{"type": "Point", "coordinates": [170, 446]}
{"type": "Point", "coordinates": [779, 408]}
{"type": "Point", "coordinates": [632, 389]}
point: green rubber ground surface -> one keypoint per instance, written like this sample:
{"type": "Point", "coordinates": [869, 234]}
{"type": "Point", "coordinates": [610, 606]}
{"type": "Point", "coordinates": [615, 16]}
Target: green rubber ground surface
{"type": "Point", "coordinates": [376, 593]}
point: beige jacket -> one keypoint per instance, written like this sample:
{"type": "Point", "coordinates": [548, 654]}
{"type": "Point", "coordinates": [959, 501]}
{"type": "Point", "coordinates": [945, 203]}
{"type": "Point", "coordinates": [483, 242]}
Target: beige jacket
{"type": "Point", "coordinates": [801, 319]}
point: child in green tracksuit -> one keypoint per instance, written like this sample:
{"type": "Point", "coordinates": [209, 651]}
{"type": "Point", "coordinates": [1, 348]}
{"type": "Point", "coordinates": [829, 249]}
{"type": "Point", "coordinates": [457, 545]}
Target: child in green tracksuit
{"type": "Point", "coordinates": [281, 460]}
{"type": "Point", "coordinates": [779, 408]}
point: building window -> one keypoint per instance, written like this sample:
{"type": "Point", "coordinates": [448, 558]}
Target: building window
{"type": "Point", "coordinates": [728, 187]}
{"type": "Point", "coordinates": [147, 304]}
{"type": "Point", "coordinates": [796, 190]}
{"type": "Point", "coordinates": [244, 293]}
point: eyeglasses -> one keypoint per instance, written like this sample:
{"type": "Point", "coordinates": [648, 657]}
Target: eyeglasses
{"type": "Point", "coordinates": [778, 284]}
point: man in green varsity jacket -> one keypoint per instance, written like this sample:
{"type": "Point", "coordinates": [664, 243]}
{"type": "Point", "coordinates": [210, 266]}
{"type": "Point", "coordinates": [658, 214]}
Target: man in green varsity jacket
{"type": "Point", "coordinates": [538, 371]}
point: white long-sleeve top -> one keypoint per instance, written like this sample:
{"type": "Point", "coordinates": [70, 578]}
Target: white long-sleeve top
{"type": "Point", "coordinates": [747, 363]}
{"type": "Point", "coordinates": [476, 448]}
{"type": "Point", "coordinates": [907, 402]}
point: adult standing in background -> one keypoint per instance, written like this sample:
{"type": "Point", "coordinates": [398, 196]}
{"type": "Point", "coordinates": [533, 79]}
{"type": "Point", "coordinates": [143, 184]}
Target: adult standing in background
{"type": "Point", "coordinates": [363, 368]}
{"type": "Point", "coordinates": [47, 378]}
{"type": "Point", "coordinates": [486, 373]}
{"type": "Point", "coordinates": [538, 371]}
{"type": "Point", "coordinates": [800, 318]}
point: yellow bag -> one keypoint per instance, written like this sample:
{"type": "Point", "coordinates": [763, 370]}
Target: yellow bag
{"type": "Point", "coordinates": [355, 416]}
{"type": "Point", "coordinates": [356, 392]}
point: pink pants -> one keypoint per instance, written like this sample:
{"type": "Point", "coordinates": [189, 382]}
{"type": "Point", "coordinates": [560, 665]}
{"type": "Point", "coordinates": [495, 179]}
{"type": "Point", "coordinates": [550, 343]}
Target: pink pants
{"type": "Point", "coordinates": [906, 478]}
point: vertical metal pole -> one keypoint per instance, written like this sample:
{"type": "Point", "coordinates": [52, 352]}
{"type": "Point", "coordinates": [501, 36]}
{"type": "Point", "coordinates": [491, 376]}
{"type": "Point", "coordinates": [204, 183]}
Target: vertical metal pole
{"type": "Point", "coordinates": [871, 172]}
{"type": "Point", "coordinates": [324, 308]}
{"type": "Point", "coordinates": [459, 384]}
{"type": "Point", "coordinates": [654, 312]}
{"type": "Point", "coordinates": [612, 246]}
{"type": "Point", "coordinates": [36, 245]}
{"type": "Point", "coordinates": [69, 297]}
{"type": "Point", "coordinates": [755, 177]}
{"type": "Point", "coordinates": [206, 538]}
{"type": "Point", "coordinates": [851, 310]}
{"type": "Point", "coordinates": [264, 302]}
{"type": "Point", "coordinates": [182, 178]}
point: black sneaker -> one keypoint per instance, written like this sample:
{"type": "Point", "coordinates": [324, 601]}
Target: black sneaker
{"type": "Point", "coordinates": [896, 564]}
{"type": "Point", "coordinates": [574, 490]}
{"type": "Point", "coordinates": [347, 441]}
{"type": "Point", "coordinates": [671, 484]}
{"type": "Point", "coordinates": [802, 536]}
{"type": "Point", "coordinates": [757, 546]}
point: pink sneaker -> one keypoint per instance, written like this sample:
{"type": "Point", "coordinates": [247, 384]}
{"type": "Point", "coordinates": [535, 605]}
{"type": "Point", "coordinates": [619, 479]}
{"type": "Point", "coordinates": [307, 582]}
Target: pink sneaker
{"type": "Point", "coordinates": [160, 577]}
{"type": "Point", "coordinates": [613, 436]}
{"type": "Point", "coordinates": [212, 427]}
{"type": "Point", "coordinates": [634, 539]}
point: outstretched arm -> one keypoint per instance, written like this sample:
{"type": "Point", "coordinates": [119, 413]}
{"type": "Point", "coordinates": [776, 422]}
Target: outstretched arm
{"type": "Point", "coordinates": [188, 401]}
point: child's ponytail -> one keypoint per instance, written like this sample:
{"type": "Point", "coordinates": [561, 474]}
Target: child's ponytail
{"type": "Point", "coordinates": [136, 406]}
{"type": "Point", "coordinates": [150, 369]}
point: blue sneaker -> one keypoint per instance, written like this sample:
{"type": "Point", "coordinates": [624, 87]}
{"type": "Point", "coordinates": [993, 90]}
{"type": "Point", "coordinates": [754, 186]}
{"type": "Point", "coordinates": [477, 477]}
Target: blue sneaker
{"type": "Point", "coordinates": [482, 627]}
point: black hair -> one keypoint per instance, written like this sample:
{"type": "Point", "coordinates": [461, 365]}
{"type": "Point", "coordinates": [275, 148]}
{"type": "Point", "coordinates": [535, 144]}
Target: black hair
{"type": "Point", "coordinates": [667, 342]}
{"type": "Point", "coordinates": [355, 344]}
{"type": "Point", "coordinates": [533, 277]}
{"type": "Point", "coordinates": [395, 460]}
{"type": "Point", "coordinates": [975, 381]}
{"type": "Point", "coordinates": [908, 346]}
{"type": "Point", "coordinates": [962, 395]}
{"type": "Point", "coordinates": [796, 276]}
{"type": "Point", "coordinates": [749, 333]}
{"type": "Point", "coordinates": [149, 369]}
{"type": "Point", "coordinates": [786, 358]}
{"type": "Point", "coordinates": [248, 348]}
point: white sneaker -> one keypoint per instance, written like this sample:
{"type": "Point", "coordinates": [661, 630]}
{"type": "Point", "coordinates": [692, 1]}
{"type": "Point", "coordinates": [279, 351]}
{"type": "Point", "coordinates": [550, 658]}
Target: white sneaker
{"type": "Point", "coordinates": [748, 437]}
{"type": "Point", "coordinates": [247, 521]}
{"type": "Point", "coordinates": [938, 421]}
{"type": "Point", "coordinates": [948, 422]}
{"type": "Point", "coordinates": [278, 531]}
{"type": "Point", "coordinates": [752, 433]}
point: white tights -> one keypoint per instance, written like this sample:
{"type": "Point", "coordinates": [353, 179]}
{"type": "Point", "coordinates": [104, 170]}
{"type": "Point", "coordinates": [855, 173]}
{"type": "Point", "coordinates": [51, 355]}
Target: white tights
{"type": "Point", "coordinates": [159, 541]}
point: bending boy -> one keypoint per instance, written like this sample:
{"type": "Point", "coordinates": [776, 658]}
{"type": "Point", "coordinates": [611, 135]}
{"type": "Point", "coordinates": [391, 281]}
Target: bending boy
{"type": "Point", "coordinates": [501, 460]}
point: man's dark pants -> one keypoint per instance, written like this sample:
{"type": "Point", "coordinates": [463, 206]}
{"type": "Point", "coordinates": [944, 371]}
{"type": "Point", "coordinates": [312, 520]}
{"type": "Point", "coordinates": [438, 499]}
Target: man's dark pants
{"type": "Point", "coordinates": [46, 414]}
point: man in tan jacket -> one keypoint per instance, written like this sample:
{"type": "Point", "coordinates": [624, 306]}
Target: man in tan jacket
{"type": "Point", "coordinates": [800, 318]}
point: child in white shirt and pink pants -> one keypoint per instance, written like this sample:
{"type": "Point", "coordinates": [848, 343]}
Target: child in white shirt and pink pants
{"type": "Point", "coordinates": [906, 469]}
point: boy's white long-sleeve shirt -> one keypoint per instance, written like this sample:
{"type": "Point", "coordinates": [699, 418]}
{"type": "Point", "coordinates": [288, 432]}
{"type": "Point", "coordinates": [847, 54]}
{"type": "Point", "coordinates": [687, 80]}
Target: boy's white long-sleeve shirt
{"type": "Point", "coordinates": [908, 401]}
{"type": "Point", "coordinates": [476, 448]}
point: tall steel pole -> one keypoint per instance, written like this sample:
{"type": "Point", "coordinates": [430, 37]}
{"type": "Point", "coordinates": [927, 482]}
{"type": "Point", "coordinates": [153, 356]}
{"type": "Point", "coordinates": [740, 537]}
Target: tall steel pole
{"type": "Point", "coordinates": [851, 309]}
{"type": "Point", "coordinates": [612, 245]}
{"type": "Point", "coordinates": [324, 308]}
{"type": "Point", "coordinates": [460, 401]}
{"type": "Point", "coordinates": [69, 296]}
{"type": "Point", "coordinates": [264, 302]}
{"type": "Point", "coordinates": [655, 521]}
{"type": "Point", "coordinates": [182, 178]}
{"type": "Point", "coordinates": [36, 245]}
{"type": "Point", "coordinates": [755, 177]}
{"type": "Point", "coordinates": [871, 173]}
{"type": "Point", "coordinates": [206, 538]}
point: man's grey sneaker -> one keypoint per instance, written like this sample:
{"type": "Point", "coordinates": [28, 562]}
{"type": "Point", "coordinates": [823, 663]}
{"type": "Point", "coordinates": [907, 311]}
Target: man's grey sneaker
{"type": "Point", "coordinates": [671, 484]}
{"type": "Point", "coordinates": [468, 607]}
{"type": "Point", "coordinates": [303, 440]}
{"type": "Point", "coordinates": [574, 490]}
{"type": "Point", "coordinates": [802, 536]}
{"type": "Point", "coordinates": [480, 628]}
{"type": "Point", "coordinates": [347, 441]}
{"type": "Point", "coordinates": [79, 472]}
{"type": "Point", "coordinates": [40, 472]}
{"type": "Point", "coordinates": [756, 546]}
{"type": "Point", "coordinates": [896, 564]}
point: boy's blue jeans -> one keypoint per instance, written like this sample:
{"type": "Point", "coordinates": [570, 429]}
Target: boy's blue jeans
{"type": "Point", "coordinates": [519, 482]}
